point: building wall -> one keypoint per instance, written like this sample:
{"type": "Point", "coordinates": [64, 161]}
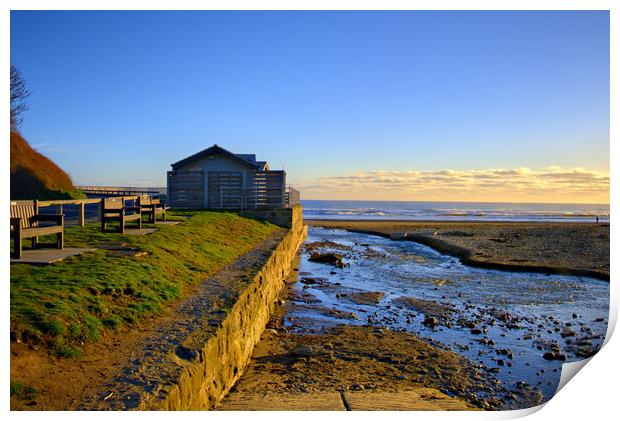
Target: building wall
{"type": "Point", "coordinates": [218, 163]}
{"type": "Point", "coordinates": [286, 217]}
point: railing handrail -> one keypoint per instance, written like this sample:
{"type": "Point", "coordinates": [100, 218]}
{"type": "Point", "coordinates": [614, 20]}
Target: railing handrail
{"type": "Point", "coordinates": [257, 197]}
{"type": "Point", "coordinates": [45, 203]}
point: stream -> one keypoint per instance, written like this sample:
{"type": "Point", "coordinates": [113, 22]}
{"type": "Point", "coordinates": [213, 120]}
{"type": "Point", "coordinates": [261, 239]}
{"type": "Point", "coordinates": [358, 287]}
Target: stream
{"type": "Point", "coordinates": [517, 327]}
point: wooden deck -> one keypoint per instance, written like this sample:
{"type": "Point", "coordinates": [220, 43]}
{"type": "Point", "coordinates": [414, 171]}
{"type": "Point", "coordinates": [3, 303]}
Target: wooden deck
{"type": "Point", "coordinates": [48, 256]}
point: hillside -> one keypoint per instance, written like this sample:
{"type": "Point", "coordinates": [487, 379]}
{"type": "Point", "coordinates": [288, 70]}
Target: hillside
{"type": "Point", "coordinates": [34, 176]}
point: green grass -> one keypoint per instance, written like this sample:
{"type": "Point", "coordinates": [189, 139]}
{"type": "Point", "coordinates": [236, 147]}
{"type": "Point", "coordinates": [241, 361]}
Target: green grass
{"type": "Point", "coordinates": [23, 392]}
{"type": "Point", "coordinates": [69, 303]}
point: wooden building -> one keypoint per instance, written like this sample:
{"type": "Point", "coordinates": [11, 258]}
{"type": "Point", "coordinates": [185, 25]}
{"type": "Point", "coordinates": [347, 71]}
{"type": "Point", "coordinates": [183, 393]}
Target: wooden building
{"type": "Point", "coordinates": [216, 178]}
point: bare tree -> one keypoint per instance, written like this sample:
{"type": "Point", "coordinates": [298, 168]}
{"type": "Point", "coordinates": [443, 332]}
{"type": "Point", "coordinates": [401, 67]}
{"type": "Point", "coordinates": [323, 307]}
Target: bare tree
{"type": "Point", "coordinates": [19, 93]}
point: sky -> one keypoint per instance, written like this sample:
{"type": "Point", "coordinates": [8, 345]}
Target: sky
{"type": "Point", "coordinates": [418, 105]}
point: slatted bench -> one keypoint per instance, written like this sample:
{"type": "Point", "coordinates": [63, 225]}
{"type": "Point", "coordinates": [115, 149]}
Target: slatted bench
{"type": "Point", "coordinates": [152, 207]}
{"type": "Point", "coordinates": [25, 223]}
{"type": "Point", "coordinates": [113, 209]}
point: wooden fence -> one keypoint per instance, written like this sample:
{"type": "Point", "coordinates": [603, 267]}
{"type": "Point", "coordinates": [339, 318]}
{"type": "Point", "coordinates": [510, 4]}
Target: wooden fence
{"type": "Point", "coordinates": [60, 205]}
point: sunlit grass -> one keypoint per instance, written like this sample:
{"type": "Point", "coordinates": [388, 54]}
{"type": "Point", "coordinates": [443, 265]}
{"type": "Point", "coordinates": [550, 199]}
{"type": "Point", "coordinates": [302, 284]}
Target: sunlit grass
{"type": "Point", "coordinates": [69, 303]}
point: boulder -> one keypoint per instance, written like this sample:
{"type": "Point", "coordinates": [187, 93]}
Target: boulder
{"type": "Point", "coordinates": [329, 258]}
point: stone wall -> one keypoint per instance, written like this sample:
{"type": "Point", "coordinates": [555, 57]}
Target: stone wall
{"type": "Point", "coordinates": [221, 362]}
{"type": "Point", "coordinates": [286, 217]}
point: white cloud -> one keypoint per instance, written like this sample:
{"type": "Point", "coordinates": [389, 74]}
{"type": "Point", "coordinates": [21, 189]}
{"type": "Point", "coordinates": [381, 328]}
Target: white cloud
{"type": "Point", "coordinates": [554, 184]}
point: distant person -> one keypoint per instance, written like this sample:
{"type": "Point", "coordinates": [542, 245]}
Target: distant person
{"type": "Point", "coordinates": [597, 219]}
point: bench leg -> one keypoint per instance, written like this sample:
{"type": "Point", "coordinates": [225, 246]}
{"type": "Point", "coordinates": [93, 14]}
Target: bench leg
{"type": "Point", "coordinates": [122, 227]}
{"type": "Point", "coordinates": [34, 242]}
{"type": "Point", "coordinates": [17, 246]}
{"type": "Point", "coordinates": [60, 240]}
{"type": "Point", "coordinates": [140, 222]}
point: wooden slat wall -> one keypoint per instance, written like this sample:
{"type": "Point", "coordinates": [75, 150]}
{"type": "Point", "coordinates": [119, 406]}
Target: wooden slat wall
{"type": "Point", "coordinates": [225, 189]}
{"type": "Point", "coordinates": [186, 189]}
{"type": "Point", "coordinates": [269, 189]}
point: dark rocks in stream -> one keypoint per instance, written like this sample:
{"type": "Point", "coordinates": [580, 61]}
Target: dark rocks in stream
{"type": "Point", "coordinates": [551, 356]}
{"type": "Point", "coordinates": [314, 280]}
{"type": "Point", "coordinates": [328, 258]}
{"type": "Point", "coordinates": [317, 245]}
{"type": "Point", "coordinates": [430, 321]}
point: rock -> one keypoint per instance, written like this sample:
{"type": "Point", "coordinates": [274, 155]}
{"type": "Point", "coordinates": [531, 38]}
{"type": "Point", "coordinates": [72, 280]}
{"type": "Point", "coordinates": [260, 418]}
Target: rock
{"type": "Point", "coordinates": [567, 332]}
{"type": "Point", "coordinates": [303, 351]}
{"type": "Point", "coordinates": [430, 321]}
{"type": "Point", "coordinates": [550, 356]}
{"type": "Point", "coordinates": [312, 280]}
{"type": "Point", "coordinates": [476, 331]}
{"type": "Point", "coordinates": [575, 316]}
{"type": "Point", "coordinates": [329, 258]}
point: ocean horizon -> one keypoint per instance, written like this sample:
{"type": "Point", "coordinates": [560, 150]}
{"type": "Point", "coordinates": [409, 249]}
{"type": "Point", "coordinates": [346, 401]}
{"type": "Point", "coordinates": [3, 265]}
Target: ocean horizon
{"type": "Point", "coordinates": [453, 211]}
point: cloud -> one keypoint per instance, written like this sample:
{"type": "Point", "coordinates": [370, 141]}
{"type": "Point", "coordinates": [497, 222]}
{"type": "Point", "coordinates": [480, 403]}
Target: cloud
{"type": "Point", "coordinates": [550, 184]}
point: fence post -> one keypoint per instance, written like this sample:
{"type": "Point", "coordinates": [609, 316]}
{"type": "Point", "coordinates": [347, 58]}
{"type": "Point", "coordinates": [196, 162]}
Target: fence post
{"type": "Point", "coordinates": [59, 208]}
{"type": "Point", "coordinates": [81, 207]}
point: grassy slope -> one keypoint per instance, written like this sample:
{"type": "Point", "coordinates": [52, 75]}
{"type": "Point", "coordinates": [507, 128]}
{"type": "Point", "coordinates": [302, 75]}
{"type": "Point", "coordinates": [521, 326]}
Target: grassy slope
{"type": "Point", "coordinates": [34, 176]}
{"type": "Point", "coordinates": [68, 303]}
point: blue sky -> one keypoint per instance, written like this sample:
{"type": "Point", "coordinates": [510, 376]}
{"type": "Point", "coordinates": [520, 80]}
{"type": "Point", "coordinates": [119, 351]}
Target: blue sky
{"type": "Point", "coordinates": [118, 96]}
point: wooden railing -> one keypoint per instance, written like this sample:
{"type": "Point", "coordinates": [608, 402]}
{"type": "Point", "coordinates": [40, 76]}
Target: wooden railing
{"type": "Point", "coordinates": [121, 191]}
{"type": "Point", "coordinates": [59, 205]}
{"type": "Point", "coordinates": [293, 197]}
{"type": "Point", "coordinates": [258, 198]}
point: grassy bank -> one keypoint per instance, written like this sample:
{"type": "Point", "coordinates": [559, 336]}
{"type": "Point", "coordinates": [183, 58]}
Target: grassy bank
{"type": "Point", "coordinates": [69, 303]}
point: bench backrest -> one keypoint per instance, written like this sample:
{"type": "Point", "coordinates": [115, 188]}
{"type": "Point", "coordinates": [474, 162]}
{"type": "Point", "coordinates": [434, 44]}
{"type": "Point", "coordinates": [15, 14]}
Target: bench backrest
{"type": "Point", "coordinates": [144, 200]}
{"type": "Point", "coordinates": [26, 213]}
{"type": "Point", "coordinates": [113, 203]}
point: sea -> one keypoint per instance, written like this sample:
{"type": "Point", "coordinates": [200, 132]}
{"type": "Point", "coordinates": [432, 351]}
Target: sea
{"type": "Point", "coordinates": [454, 211]}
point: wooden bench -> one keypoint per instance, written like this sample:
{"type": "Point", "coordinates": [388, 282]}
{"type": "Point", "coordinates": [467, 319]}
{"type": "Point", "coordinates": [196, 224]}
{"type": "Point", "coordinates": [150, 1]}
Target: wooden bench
{"type": "Point", "coordinates": [152, 207]}
{"type": "Point", "coordinates": [113, 209]}
{"type": "Point", "coordinates": [25, 223]}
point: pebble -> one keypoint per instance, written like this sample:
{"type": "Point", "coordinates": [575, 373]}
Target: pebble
{"type": "Point", "coordinates": [550, 356]}
{"type": "Point", "coordinates": [430, 321]}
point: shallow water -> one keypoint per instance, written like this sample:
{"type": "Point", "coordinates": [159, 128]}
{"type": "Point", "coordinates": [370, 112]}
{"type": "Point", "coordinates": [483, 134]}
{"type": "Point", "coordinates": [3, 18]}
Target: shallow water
{"type": "Point", "coordinates": [524, 315]}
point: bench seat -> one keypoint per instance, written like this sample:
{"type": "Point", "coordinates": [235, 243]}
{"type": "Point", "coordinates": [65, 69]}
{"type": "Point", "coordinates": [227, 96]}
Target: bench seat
{"type": "Point", "coordinates": [26, 223]}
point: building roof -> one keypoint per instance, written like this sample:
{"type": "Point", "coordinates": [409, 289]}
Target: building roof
{"type": "Point", "coordinates": [247, 159]}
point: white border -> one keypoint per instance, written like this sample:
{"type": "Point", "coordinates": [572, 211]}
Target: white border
{"type": "Point", "coordinates": [591, 395]}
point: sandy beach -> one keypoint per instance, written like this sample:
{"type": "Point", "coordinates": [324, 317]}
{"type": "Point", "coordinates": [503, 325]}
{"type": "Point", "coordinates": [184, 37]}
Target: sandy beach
{"type": "Point", "coordinates": [549, 247]}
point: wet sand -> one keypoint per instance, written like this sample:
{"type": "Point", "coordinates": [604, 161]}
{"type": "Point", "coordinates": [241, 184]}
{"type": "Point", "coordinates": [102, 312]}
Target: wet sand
{"type": "Point", "coordinates": [331, 371]}
{"type": "Point", "coordinates": [549, 247]}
